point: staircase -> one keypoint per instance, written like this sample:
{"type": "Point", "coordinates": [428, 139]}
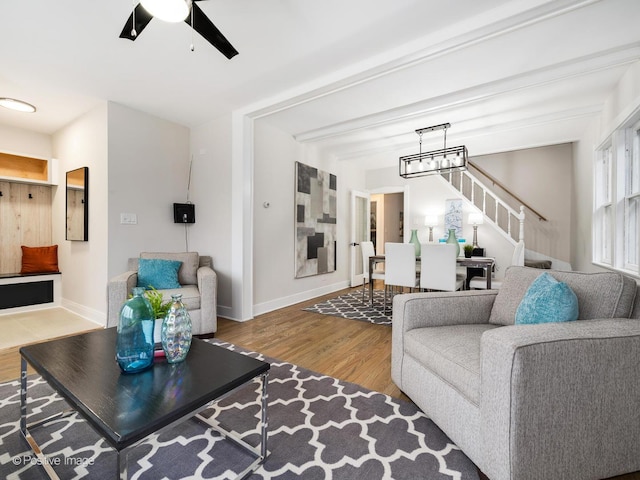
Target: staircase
{"type": "Point", "coordinates": [507, 221]}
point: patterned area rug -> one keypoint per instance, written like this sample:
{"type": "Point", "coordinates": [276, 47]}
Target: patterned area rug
{"type": "Point", "coordinates": [319, 428]}
{"type": "Point", "coordinates": [351, 306]}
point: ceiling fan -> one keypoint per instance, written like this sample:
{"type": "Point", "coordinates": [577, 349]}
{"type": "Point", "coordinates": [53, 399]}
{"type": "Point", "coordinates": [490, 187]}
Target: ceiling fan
{"type": "Point", "coordinates": [186, 10]}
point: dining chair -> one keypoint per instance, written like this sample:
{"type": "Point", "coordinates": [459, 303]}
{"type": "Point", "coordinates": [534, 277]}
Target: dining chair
{"type": "Point", "coordinates": [517, 259]}
{"type": "Point", "coordinates": [400, 267]}
{"type": "Point", "coordinates": [378, 273]}
{"type": "Point", "coordinates": [439, 269]}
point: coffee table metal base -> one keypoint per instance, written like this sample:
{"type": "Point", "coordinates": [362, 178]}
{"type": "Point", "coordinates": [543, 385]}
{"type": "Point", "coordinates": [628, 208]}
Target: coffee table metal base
{"type": "Point", "coordinates": [260, 452]}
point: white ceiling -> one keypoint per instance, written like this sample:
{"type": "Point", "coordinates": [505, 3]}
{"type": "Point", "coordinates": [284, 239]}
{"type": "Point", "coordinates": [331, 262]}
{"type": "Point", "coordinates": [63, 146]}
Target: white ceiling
{"type": "Point", "coordinates": [354, 78]}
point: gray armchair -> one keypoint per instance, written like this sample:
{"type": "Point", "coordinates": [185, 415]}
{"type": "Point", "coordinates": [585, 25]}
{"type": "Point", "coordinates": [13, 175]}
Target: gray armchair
{"type": "Point", "coordinates": [199, 289]}
{"type": "Point", "coordinates": [546, 401]}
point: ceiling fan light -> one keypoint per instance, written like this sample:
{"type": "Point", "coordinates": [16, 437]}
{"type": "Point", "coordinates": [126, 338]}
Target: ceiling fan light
{"type": "Point", "coordinates": [167, 10]}
{"type": "Point", "coordinates": [17, 105]}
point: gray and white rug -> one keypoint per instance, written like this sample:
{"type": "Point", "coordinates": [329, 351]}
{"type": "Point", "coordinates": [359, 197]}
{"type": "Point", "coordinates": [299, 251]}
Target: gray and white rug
{"type": "Point", "coordinates": [351, 306]}
{"type": "Point", "coordinates": [319, 428]}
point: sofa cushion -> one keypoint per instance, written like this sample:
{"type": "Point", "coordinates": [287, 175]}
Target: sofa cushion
{"type": "Point", "coordinates": [188, 273]}
{"type": "Point", "coordinates": [547, 300]}
{"type": "Point", "coordinates": [190, 296]}
{"type": "Point", "coordinates": [452, 353]}
{"type": "Point", "coordinates": [600, 295]}
{"type": "Point", "coordinates": [158, 273]}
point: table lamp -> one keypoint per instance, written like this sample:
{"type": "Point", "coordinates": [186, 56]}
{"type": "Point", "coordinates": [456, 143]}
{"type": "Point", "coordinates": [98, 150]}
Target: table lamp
{"type": "Point", "coordinates": [475, 219]}
{"type": "Point", "coordinates": [430, 221]}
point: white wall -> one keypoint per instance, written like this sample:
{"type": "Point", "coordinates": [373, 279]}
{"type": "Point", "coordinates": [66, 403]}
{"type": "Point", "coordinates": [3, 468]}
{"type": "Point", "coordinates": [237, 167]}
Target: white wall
{"type": "Point", "coordinates": [83, 143]}
{"type": "Point", "coordinates": [148, 171]}
{"type": "Point", "coordinates": [275, 284]}
{"type": "Point", "coordinates": [581, 244]}
{"type": "Point", "coordinates": [211, 192]}
{"type": "Point", "coordinates": [17, 141]}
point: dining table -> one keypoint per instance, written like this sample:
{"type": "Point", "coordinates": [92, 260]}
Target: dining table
{"type": "Point", "coordinates": [486, 263]}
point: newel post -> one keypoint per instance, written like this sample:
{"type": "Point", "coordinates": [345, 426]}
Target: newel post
{"type": "Point", "coordinates": [521, 219]}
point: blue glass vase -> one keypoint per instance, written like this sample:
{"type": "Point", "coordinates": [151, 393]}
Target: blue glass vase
{"type": "Point", "coordinates": [134, 346]}
{"type": "Point", "coordinates": [176, 331]}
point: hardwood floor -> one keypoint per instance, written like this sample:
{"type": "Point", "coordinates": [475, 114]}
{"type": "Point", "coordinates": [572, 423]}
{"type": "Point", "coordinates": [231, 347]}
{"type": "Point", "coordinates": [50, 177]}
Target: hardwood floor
{"type": "Point", "coordinates": [353, 351]}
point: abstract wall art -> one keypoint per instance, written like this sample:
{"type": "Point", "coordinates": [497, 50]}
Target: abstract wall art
{"type": "Point", "coordinates": [453, 217]}
{"type": "Point", "coordinates": [315, 221]}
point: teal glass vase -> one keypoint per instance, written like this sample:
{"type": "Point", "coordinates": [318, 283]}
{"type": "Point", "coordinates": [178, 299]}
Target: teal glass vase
{"type": "Point", "coordinates": [416, 242]}
{"type": "Point", "coordinates": [134, 344]}
{"type": "Point", "coordinates": [176, 331]}
{"type": "Point", "coordinates": [452, 239]}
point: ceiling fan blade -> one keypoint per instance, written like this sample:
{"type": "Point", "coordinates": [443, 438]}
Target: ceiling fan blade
{"type": "Point", "coordinates": [142, 20]}
{"type": "Point", "coordinates": [210, 32]}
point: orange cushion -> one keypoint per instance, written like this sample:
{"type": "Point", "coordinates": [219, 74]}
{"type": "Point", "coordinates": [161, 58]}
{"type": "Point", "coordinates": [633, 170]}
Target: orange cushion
{"type": "Point", "coordinates": [39, 259]}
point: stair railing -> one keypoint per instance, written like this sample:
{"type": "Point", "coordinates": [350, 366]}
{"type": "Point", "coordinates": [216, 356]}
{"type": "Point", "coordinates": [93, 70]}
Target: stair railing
{"type": "Point", "coordinates": [494, 181]}
{"type": "Point", "coordinates": [495, 211]}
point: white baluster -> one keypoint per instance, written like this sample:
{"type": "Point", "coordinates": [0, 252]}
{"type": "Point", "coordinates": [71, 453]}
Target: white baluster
{"type": "Point", "coordinates": [521, 223]}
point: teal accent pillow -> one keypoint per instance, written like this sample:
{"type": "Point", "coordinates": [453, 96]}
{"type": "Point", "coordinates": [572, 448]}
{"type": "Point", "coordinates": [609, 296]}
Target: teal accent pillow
{"type": "Point", "coordinates": [547, 300]}
{"type": "Point", "coordinates": [158, 273]}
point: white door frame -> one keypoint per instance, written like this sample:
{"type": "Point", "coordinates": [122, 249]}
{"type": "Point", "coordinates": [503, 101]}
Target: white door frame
{"type": "Point", "coordinates": [355, 278]}
{"type": "Point", "coordinates": [398, 189]}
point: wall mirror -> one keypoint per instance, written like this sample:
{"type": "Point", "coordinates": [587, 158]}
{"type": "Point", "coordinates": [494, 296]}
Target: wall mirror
{"type": "Point", "coordinates": [78, 204]}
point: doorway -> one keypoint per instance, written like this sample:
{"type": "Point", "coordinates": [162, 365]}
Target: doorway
{"type": "Point", "coordinates": [387, 219]}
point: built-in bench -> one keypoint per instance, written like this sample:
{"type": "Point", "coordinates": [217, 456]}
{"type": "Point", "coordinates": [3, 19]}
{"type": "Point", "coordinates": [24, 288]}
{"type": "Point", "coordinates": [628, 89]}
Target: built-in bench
{"type": "Point", "coordinates": [25, 291]}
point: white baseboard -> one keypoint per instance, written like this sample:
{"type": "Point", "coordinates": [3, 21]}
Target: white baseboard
{"type": "Point", "coordinates": [28, 308]}
{"type": "Point", "coordinates": [225, 312]}
{"type": "Point", "coordinates": [95, 316]}
{"type": "Point", "coordinates": [282, 302]}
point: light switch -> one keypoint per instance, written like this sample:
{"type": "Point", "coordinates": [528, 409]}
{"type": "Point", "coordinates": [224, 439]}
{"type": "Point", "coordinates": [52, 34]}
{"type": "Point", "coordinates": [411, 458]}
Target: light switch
{"type": "Point", "coordinates": [128, 219]}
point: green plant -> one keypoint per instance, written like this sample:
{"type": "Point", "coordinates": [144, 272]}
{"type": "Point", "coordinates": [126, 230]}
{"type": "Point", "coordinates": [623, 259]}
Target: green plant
{"type": "Point", "coordinates": [468, 249]}
{"type": "Point", "coordinates": [159, 307]}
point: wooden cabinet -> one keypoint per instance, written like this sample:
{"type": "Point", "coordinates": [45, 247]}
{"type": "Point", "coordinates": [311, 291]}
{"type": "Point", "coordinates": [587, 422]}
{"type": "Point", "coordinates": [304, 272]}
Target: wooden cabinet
{"type": "Point", "coordinates": [26, 169]}
{"type": "Point", "coordinates": [25, 206]}
{"type": "Point", "coordinates": [25, 219]}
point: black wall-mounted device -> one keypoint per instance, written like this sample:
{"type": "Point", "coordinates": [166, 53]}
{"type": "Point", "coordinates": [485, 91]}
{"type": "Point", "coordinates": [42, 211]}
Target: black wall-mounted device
{"type": "Point", "coordinates": [184, 213]}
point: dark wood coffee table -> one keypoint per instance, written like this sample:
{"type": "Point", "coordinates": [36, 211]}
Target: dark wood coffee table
{"type": "Point", "coordinates": [84, 371]}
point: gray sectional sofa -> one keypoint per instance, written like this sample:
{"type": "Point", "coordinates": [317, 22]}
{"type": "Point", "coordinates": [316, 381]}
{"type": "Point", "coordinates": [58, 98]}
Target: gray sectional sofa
{"type": "Point", "coordinates": [546, 401]}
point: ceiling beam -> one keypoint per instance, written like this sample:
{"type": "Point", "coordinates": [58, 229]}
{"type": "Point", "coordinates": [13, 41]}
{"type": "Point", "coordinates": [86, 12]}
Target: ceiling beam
{"type": "Point", "coordinates": [394, 61]}
{"type": "Point", "coordinates": [583, 66]}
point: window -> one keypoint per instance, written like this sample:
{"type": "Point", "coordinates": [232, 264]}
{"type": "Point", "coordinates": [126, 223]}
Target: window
{"type": "Point", "coordinates": [616, 205]}
{"type": "Point", "coordinates": [632, 198]}
{"type": "Point", "coordinates": [603, 213]}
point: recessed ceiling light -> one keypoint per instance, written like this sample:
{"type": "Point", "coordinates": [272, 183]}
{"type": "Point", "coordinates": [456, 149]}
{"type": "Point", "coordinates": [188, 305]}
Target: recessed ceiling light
{"type": "Point", "coordinates": [18, 105]}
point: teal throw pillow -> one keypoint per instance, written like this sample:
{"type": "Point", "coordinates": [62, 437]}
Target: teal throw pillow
{"type": "Point", "coordinates": [158, 273]}
{"type": "Point", "coordinates": [547, 300]}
